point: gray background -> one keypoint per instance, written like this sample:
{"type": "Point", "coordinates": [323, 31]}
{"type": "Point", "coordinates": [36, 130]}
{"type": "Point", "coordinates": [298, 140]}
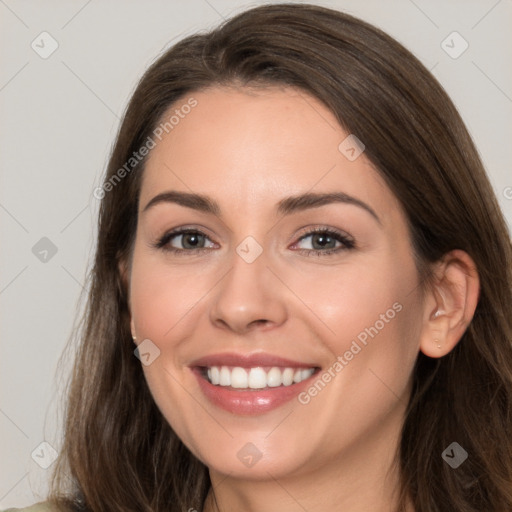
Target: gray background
{"type": "Point", "coordinates": [60, 116]}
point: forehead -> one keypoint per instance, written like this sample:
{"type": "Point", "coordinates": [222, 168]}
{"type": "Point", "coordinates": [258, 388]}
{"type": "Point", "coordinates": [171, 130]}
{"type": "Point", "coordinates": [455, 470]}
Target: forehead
{"type": "Point", "coordinates": [250, 147]}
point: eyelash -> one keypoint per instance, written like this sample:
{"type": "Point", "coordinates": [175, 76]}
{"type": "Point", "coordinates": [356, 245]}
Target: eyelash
{"type": "Point", "coordinates": [346, 241]}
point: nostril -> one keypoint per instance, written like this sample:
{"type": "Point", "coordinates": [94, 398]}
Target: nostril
{"type": "Point", "coordinates": [259, 322]}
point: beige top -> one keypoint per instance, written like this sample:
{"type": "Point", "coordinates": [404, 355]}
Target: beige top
{"type": "Point", "coordinates": [38, 507]}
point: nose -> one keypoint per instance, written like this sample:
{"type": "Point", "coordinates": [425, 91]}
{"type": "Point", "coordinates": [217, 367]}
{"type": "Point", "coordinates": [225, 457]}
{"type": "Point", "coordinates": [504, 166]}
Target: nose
{"type": "Point", "coordinates": [249, 297]}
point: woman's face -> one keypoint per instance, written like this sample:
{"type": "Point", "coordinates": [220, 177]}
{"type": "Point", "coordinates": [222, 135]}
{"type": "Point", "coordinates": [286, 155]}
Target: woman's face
{"type": "Point", "coordinates": [272, 281]}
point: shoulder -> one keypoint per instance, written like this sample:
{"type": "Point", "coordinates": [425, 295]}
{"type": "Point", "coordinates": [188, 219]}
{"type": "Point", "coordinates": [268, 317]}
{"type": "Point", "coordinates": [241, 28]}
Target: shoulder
{"type": "Point", "coordinates": [38, 507]}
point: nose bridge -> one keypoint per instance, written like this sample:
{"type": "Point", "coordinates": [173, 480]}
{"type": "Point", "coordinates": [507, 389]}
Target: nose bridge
{"type": "Point", "coordinates": [248, 294]}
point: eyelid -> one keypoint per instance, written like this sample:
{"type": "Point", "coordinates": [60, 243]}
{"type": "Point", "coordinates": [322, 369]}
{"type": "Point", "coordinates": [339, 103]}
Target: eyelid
{"type": "Point", "coordinates": [306, 231]}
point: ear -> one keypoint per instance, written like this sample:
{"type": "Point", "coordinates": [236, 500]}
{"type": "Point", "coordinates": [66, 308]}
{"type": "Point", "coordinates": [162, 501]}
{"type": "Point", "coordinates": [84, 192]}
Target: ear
{"type": "Point", "coordinates": [122, 267]}
{"type": "Point", "coordinates": [124, 273]}
{"type": "Point", "coordinates": [450, 303]}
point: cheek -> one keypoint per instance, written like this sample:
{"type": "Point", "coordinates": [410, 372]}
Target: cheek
{"type": "Point", "coordinates": [367, 294]}
{"type": "Point", "coordinates": [163, 304]}
{"type": "Point", "coordinates": [371, 324]}
{"type": "Point", "coordinates": [161, 297]}
{"type": "Point", "coordinates": [370, 316]}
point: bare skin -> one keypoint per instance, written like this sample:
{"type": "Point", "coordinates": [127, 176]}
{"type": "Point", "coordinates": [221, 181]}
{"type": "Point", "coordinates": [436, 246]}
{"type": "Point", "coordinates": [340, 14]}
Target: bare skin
{"type": "Point", "coordinates": [247, 150]}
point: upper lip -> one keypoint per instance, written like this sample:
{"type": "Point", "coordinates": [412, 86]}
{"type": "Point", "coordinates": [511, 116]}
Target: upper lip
{"type": "Point", "coordinates": [248, 361]}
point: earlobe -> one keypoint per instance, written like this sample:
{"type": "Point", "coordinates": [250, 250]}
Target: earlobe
{"type": "Point", "coordinates": [123, 274]}
{"type": "Point", "coordinates": [450, 304]}
{"type": "Point", "coordinates": [132, 328]}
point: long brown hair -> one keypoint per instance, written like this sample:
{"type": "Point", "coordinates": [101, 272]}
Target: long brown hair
{"type": "Point", "coordinates": [119, 453]}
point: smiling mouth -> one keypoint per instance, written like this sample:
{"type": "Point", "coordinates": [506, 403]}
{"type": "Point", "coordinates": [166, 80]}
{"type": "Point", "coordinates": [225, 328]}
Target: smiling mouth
{"type": "Point", "coordinates": [255, 378]}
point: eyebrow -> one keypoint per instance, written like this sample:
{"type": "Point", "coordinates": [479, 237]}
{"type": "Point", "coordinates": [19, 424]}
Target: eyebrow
{"type": "Point", "coordinates": [285, 206]}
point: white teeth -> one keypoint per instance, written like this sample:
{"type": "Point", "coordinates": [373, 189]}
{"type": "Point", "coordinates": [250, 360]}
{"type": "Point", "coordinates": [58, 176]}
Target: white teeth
{"type": "Point", "coordinates": [215, 375]}
{"type": "Point", "coordinates": [288, 376]}
{"type": "Point", "coordinates": [257, 378]}
{"type": "Point", "coordinates": [225, 377]}
{"type": "Point", "coordinates": [304, 374]}
{"type": "Point", "coordinates": [274, 377]}
{"type": "Point", "coordinates": [239, 378]}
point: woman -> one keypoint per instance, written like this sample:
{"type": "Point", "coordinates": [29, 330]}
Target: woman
{"type": "Point", "coordinates": [299, 240]}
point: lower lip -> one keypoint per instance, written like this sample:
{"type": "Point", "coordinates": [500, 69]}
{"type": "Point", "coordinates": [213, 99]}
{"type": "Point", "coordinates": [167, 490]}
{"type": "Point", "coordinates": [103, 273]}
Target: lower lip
{"type": "Point", "coordinates": [251, 402]}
